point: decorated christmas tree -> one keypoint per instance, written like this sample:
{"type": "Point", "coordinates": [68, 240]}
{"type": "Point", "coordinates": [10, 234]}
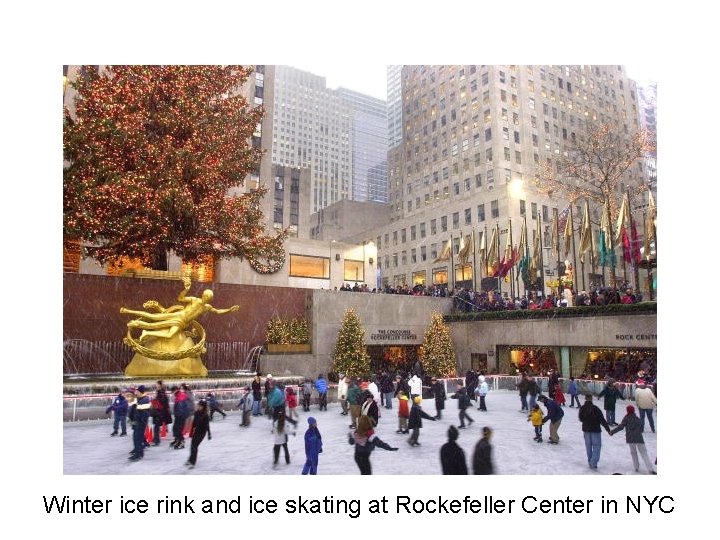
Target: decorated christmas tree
{"type": "Point", "coordinates": [438, 354]}
{"type": "Point", "coordinates": [350, 356]}
{"type": "Point", "coordinates": [152, 157]}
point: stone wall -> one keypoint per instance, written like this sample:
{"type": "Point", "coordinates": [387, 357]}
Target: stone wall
{"type": "Point", "coordinates": [91, 309]}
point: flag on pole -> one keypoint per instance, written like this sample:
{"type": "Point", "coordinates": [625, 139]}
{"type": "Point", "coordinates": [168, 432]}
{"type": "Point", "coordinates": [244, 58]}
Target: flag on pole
{"type": "Point", "coordinates": [508, 259]}
{"type": "Point", "coordinates": [554, 231]}
{"type": "Point", "coordinates": [568, 227]}
{"type": "Point", "coordinates": [650, 224]}
{"type": "Point", "coordinates": [622, 219]}
{"type": "Point", "coordinates": [482, 250]}
{"type": "Point", "coordinates": [635, 255]}
{"type": "Point", "coordinates": [466, 244]}
{"type": "Point", "coordinates": [493, 263]}
{"type": "Point", "coordinates": [523, 256]}
{"type": "Point", "coordinates": [585, 234]}
{"type": "Point", "coordinates": [445, 253]}
{"type": "Point", "coordinates": [605, 243]}
{"type": "Point", "coordinates": [534, 263]}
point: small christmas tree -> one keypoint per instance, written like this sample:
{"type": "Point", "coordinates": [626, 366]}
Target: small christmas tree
{"type": "Point", "coordinates": [438, 354]}
{"type": "Point", "coordinates": [350, 356]}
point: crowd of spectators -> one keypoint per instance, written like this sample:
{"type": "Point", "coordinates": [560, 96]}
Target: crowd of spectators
{"type": "Point", "coordinates": [468, 300]}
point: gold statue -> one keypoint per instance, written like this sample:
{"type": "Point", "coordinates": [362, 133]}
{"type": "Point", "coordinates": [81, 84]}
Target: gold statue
{"type": "Point", "coordinates": [166, 345]}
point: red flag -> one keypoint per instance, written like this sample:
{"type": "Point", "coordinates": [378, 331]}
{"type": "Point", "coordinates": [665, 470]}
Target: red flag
{"type": "Point", "coordinates": [625, 244]}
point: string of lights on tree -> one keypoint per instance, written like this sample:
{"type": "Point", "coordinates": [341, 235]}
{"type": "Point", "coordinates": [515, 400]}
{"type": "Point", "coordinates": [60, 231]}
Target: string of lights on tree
{"type": "Point", "coordinates": [438, 353]}
{"type": "Point", "coordinates": [350, 356]}
{"type": "Point", "coordinates": [152, 154]}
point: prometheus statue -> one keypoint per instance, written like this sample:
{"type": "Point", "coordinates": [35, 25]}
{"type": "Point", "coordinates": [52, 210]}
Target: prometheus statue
{"type": "Point", "coordinates": [171, 340]}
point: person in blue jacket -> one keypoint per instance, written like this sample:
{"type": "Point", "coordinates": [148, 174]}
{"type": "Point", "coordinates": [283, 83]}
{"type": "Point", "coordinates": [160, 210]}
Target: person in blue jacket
{"type": "Point", "coordinates": [313, 447]}
{"type": "Point", "coordinates": [554, 415]}
{"type": "Point", "coordinates": [119, 408]}
{"type": "Point", "coordinates": [322, 387]}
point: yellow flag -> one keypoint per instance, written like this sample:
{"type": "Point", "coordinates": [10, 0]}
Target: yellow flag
{"type": "Point", "coordinates": [445, 253]}
{"type": "Point", "coordinates": [585, 234]}
{"type": "Point", "coordinates": [623, 216]}
{"type": "Point", "coordinates": [650, 225]}
{"type": "Point", "coordinates": [568, 235]}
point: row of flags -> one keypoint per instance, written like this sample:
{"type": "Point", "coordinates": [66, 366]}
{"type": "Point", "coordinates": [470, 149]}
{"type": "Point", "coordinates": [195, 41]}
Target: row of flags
{"type": "Point", "coordinates": [528, 258]}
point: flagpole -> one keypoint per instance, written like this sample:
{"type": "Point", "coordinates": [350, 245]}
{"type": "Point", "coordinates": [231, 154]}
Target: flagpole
{"type": "Point", "coordinates": [572, 227]}
{"type": "Point", "coordinates": [512, 259]}
{"type": "Point", "coordinates": [633, 245]}
{"type": "Point", "coordinates": [647, 258]}
{"type": "Point", "coordinates": [542, 257]}
{"type": "Point", "coordinates": [452, 264]}
{"type": "Point", "coordinates": [592, 246]}
{"type": "Point", "coordinates": [474, 280]}
{"type": "Point", "coordinates": [484, 263]}
{"type": "Point", "coordinates": [497, 232]}
{"type": "Point", "coordinates": [527, 246]}
{"type": "Point", "coordinates": [557, 244]}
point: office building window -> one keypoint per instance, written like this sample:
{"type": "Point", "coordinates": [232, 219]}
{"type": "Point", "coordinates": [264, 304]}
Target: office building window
{"type": "Point", "coordinates": [494, 209]}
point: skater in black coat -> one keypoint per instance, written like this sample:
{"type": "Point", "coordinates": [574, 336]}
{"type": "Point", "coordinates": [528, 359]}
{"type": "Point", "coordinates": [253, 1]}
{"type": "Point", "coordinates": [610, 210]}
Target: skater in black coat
{"type": "Point", "coordinates": [200, 428]}
{"type": "Point", "coordinates": [438, 390]}
{"type": "Point", "coordinates": [482, 458]}
{"type": "Point", "coordinates": [452, 457]}
{"type": "Point", "coordinates": [365, 441]}
{"type": "Point", "coordinates": [415, 421]}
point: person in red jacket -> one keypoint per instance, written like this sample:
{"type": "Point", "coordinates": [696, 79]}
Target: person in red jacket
{"type": "Point", "coordinates": [403, 413]}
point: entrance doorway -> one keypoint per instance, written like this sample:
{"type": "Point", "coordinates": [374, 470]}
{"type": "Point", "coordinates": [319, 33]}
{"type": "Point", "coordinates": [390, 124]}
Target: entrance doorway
{"type": "Point", "coordinates": [392, 358]}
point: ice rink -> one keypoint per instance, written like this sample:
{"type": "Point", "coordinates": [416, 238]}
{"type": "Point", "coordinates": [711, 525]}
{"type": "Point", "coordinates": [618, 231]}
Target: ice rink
{"type": "Point", "coordinates": [89, 449]}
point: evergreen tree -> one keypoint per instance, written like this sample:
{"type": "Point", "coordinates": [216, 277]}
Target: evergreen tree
{"type": "Point", "coordinates": [153, 159]}
{"type": "Point", "coordinates": [350, 356]}
{"type": "Point", "coordinates": [438, 353]}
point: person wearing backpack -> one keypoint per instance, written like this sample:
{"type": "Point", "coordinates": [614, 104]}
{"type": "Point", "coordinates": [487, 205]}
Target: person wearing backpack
{"type": "Point", "coordinates": [463, 404]}
{"type": "Point", "coordinates": [365, 441]}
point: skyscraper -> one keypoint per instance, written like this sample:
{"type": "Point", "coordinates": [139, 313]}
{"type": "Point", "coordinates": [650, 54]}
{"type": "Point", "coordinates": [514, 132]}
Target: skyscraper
{"type": "Point", "coordinates": [369, 146]}
{"type": "Point", "coordinates": [474, 137]}
{"type": "Point", "coordinates": [394, 105]}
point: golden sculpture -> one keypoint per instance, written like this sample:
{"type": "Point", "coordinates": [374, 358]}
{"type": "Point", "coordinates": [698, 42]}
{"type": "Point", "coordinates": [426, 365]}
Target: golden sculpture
{"type": "Point", "coordinates": [171, 340]}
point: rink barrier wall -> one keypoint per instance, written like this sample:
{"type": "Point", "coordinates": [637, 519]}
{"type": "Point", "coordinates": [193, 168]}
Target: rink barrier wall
{"type": "Point", "coordinates": [89, 402]}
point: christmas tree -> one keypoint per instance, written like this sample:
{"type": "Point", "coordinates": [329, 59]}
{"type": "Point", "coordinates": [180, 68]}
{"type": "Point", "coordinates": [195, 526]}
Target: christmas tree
{"type": "Point", "coordinates": [438, 354]}
{"type": "Point", "coordinates": [152, 154]}
{"type": "Point", "coordinates": [350, 356]}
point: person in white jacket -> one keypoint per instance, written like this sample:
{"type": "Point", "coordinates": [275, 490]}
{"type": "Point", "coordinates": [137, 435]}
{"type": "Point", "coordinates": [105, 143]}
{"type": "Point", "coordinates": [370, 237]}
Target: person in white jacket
{"type": "Point", "coordinates": [646, 402]}
{"type": "Point", "coordinates": [415, 383]}
{"type": "Point", "coordinates": [342, 390]}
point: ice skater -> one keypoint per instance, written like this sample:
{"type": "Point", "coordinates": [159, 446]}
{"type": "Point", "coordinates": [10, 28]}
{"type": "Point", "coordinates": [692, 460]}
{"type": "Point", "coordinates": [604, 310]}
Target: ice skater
{"type": "Point", "coordinates": [198, 429]}
{"type": "Point", "coordinates": [536, 418]}
{"type": "Point", "coordinates": [415, 421]}
{"type": "Point", "coordinates": [403, 413]}
{"type": "Point", "coordinates": [463, 403]}
{"type": "Point", "coordinates": [482, 457]}
{"type": "Point", "coordinates": [281, 440]}
{"type": "Point", "coordinates": [313, 447]}
{"type": "Point", "coordinates": [592, 419]}
{"type": "Point", "coordinates": [634, 439]}
{"type": "Point", "coordinates": [554, 416]}
{"type": "Point", "coordinates": [365, 441]}
{"type": "Point", "coordinates": [452, 457]}
{"type": "Point", "coordinates": [119, 408]}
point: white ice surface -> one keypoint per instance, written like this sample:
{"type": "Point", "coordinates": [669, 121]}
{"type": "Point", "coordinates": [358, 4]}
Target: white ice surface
{"type": "Point", "coordinates": [89, 449]}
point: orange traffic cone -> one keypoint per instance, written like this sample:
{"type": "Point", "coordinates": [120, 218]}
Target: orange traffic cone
{"type": "Point", "coordinates": [163, 431]}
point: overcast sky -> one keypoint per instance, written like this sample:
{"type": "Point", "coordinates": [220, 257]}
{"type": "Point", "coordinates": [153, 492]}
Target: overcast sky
{"type": "Point", "coordinates": [371, 79]}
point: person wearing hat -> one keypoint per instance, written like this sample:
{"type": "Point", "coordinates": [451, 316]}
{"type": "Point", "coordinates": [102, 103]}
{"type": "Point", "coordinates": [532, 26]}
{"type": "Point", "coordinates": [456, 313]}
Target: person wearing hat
{"type": "Point", "coordinates": [313, 447]}
{"type": "Point", "coordinates": [592, 419]}
{"type": "Point", "coordinates": [634, 439]}
{"type": "Point", "coordinates": [119, 408]}
{"type": "Point", "coordinates": [452, 457]}
{"type": "Point", "coordinates": [269, 385]}
{"type": "Point", "coordinates": [370, 408]}
{"type": "Point", "coordinates": [200, 427]}
{"type": "Point", "coordinates": [415, 420]}
{"type": "Point", "coordinates": [482, 391]}
{"type": "Point", "coordinates": [139, 415]}
{"type": "Point", "coordinates": [646, 402]}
